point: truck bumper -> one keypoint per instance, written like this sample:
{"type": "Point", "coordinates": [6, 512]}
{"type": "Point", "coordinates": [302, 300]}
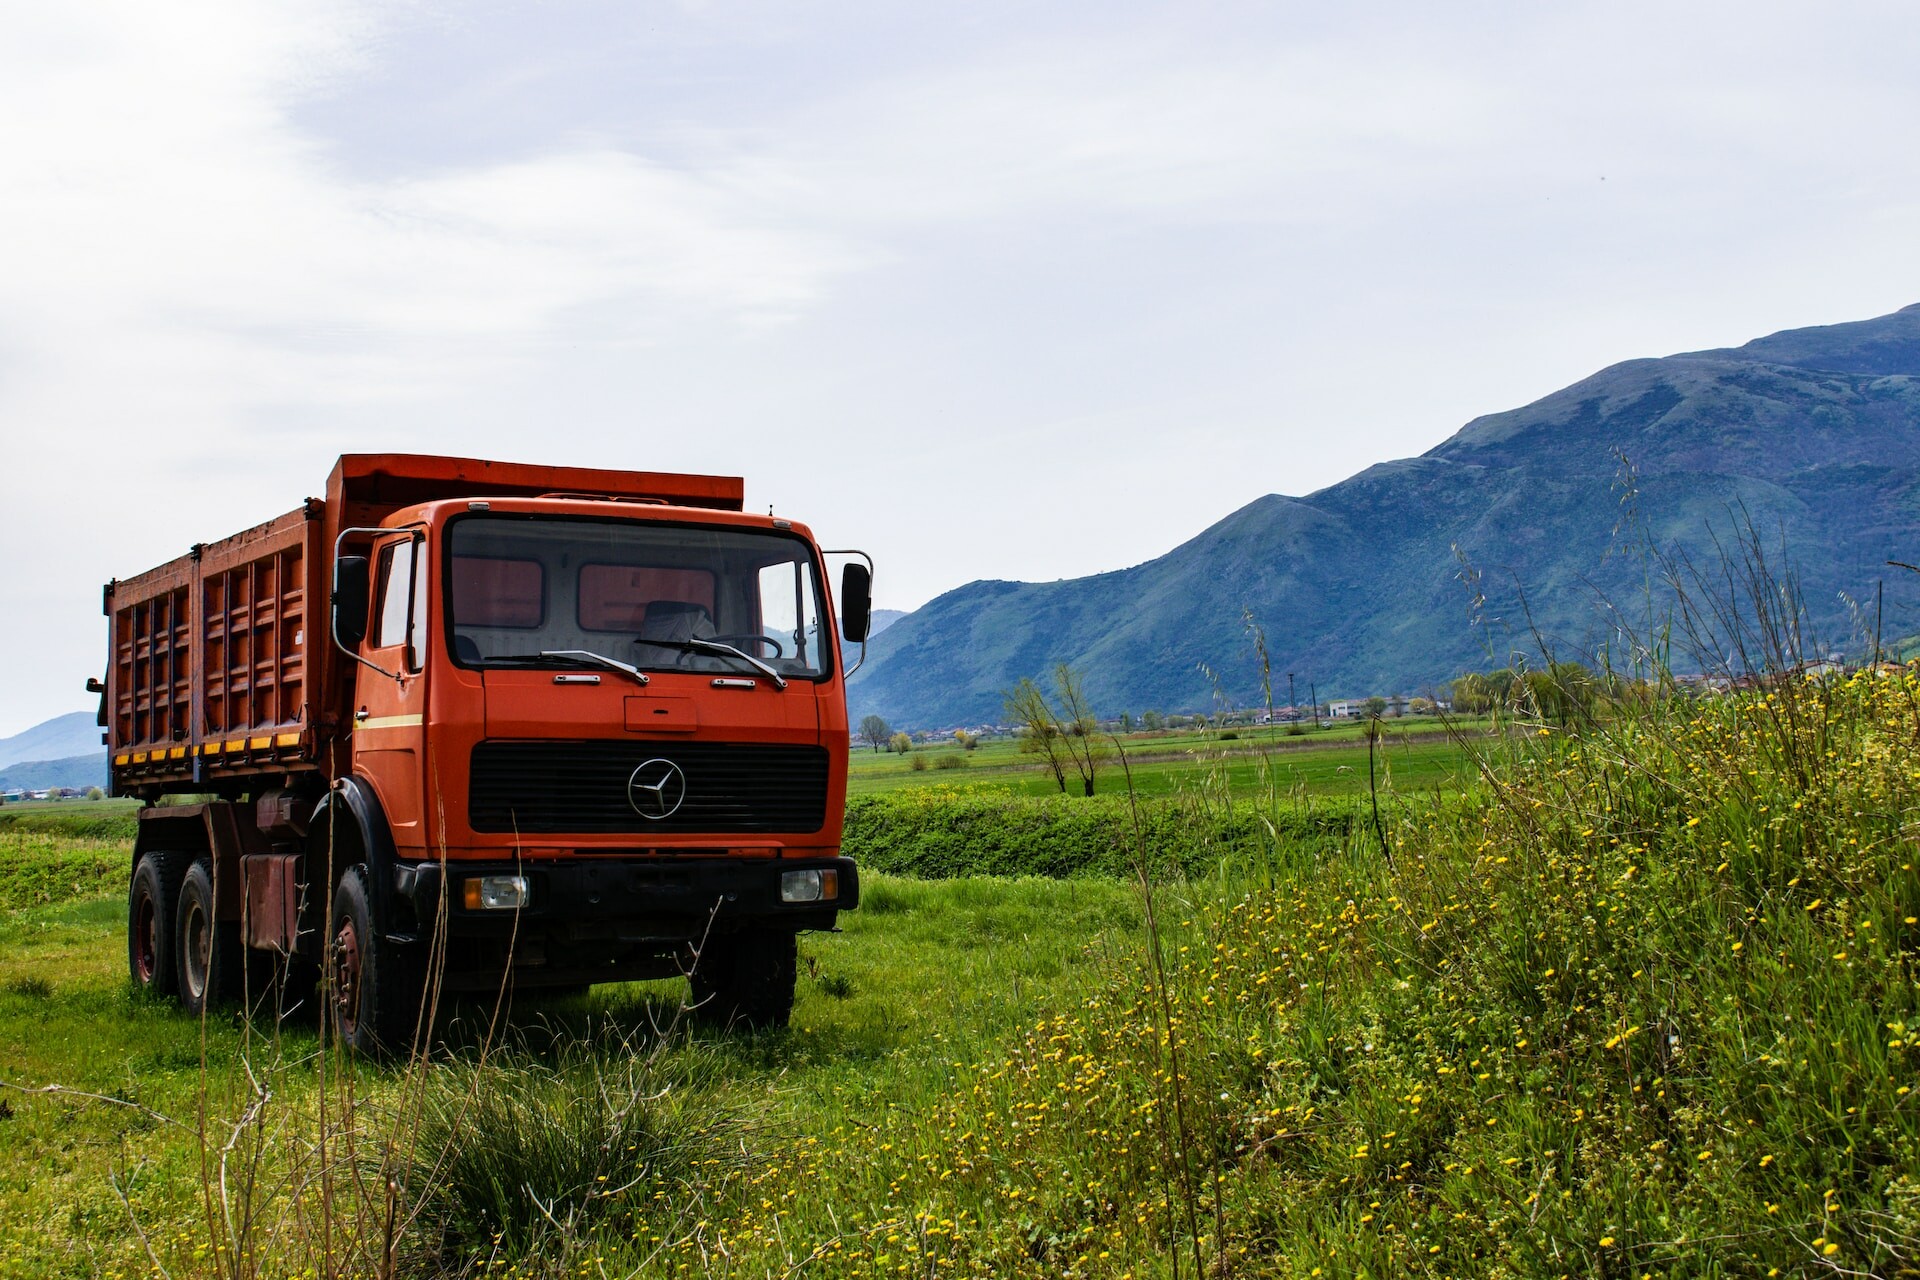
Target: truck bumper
{"type": "Point", "coordinates": [608, 910]}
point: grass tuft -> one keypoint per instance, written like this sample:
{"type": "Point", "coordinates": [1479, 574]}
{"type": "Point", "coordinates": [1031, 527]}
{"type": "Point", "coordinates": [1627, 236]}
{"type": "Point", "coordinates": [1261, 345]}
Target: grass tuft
{"type": "Point", "coordinates": [524, 1154]}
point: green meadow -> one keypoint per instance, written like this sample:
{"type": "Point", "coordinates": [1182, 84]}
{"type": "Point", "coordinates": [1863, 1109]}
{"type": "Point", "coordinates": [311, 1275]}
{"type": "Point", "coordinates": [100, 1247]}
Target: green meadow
{"type": "Point", "coordinates": [1411, 755]}
{"type": "Point", "coordinates": [1628, 996]}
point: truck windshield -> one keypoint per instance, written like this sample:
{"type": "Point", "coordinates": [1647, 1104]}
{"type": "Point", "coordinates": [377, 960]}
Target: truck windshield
{"type": "Point", "coordinates": [660, 597]}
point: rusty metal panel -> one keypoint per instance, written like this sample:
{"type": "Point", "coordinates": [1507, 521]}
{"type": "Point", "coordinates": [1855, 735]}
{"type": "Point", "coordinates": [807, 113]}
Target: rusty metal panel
{"type": "Point", "coordinates": [273, 899]}
{"type": "Point", "coordinates": [210, 656]}
{"type": "Point", "coordinates": [253, 663]}
{"type": "Point", "coordinates": [366, 486]}
{"type": "Point", "coordinates": [153, 670]}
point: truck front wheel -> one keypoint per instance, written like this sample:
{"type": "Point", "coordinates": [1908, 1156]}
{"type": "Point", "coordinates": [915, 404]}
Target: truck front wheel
{"type": "Point", "coordinates": [373, 995]}
{"type": "Point", "coordinates": [207, 949]}
{"type": "Point", "coordinates": [152, 899]}
{"type": "Point", "coordinates": [745, 980]}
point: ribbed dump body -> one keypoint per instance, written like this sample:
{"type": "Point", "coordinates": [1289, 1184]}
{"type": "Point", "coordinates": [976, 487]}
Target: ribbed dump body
{"type": "Point", "coordinates": [209, 673]}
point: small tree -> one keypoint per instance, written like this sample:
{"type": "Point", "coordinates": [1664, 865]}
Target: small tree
{"type": "Point", "coordinates": [900, 743]}
{"type": "Point", "coordinates": [875, 731]}
{"type": "Point", "coordinates": [95, 793]}
{"type": "Point", "coordinates": [1027, 707]}
{"type": "Point", "coordinates": [1376, 707]}
{"type": "Point", "coordinates": [1070, 734]}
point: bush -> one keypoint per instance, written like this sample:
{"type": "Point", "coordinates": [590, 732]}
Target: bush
{"type": "Point", "coordinates": [1653, 989]}
{"type": "Point", "coordinates": [88, 824]}
{"type": "Point", "coordinates": [951, 761]}
{"type": "Point", "coordinates": [918, 764]}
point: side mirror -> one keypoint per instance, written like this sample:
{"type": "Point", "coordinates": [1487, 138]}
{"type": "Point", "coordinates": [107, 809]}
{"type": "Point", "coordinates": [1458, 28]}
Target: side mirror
{"type": "Point", "coordinates": [351, 589]}
{"type": "Point", "coordinates": [856, 602]}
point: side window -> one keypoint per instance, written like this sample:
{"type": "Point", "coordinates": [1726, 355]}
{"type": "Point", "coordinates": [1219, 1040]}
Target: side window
{"type": "Point", "coordinates": [787, 614]}
{"type": "Point", "coordinates": [402, 592]}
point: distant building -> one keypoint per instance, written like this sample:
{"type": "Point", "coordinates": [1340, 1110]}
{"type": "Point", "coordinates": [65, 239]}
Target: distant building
{"type": "Point", "coordinates": [1397, 705]}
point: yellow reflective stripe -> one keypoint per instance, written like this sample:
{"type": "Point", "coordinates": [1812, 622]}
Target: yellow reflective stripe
{"type": "Point", "coordinates": [392, 722]}
{"type": "Point", "coordinates": [256, 744]}
{"type": "Point", "coordinates": [176, 753]}
{"type": "Point", "coordinates": [122, 758]}
{"type": "Point", "coordinates": [236, 744]}
{"type": "Point", "coordinates": [286, 740]}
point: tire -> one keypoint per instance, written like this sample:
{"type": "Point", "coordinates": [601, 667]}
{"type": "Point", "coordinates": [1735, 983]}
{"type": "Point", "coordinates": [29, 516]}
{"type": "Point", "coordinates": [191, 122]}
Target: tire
{"type": "Point", "coordinates": [745, 981]}
{"type": "Point", "coordinates": [208, 957]}
{"type": "Point", "coordinates": [373, 995]}
{"type": "Point", "coordinates": [153, 897]}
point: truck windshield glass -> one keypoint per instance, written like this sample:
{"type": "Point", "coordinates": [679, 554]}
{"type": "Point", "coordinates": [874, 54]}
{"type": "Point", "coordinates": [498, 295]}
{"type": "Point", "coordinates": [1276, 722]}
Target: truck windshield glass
{"type": "Point", "coordinates": [636, 592]}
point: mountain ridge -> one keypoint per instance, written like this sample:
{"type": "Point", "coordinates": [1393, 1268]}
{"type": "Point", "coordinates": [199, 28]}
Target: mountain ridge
{"type": "Point", "coordinates": [1813, 432]}
{"type": "Point", "coordinates": [72, 734]}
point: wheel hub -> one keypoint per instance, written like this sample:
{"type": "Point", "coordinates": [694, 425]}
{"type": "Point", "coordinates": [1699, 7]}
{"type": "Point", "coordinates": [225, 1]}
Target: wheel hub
{"type": "Point", "coordinates": [199, 942]}
{"type": "Point", "coordinates": [146, 944]}
{"type": "Point", "coordinates": [346, 978]}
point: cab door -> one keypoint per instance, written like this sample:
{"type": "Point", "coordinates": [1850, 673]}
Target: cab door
{"type": "Point", "coordinates": [389, 718]}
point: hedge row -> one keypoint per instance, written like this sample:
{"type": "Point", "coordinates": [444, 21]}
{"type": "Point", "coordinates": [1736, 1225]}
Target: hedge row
{"type": "Point", "coordinates": [939, 834]}
{"type": "Point", "coordinates": [88, 823]}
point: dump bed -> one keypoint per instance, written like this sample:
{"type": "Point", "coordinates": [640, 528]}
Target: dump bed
{"type": "Point", "coordinates": [220, 665]}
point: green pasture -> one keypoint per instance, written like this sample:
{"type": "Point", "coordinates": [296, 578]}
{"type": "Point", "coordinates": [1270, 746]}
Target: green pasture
{"type": "Point", "coordinates": [1416, 755]}
{"type": "Point", "coordinates": [927, 982]}
{"type": "Point", "coordinates": [1645, 1007]}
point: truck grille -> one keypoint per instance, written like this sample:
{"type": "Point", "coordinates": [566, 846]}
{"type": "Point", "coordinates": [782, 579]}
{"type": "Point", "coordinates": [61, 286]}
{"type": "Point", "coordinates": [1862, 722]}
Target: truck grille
{"type": "Point", "coordinates": [584, 786]}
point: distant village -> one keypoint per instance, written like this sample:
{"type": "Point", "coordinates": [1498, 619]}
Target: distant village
{"type": "Point", "coordinates": [18, 795]}
{"type": "Point", "coordinates": [1399, 706]}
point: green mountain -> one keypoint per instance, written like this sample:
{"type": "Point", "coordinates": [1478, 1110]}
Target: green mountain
{"type": "Point", "coordinates": [1813, 434]}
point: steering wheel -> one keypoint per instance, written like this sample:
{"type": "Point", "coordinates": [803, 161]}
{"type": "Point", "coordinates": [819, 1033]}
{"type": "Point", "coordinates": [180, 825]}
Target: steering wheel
{"type": "Point", "coordinates": [747, 642]}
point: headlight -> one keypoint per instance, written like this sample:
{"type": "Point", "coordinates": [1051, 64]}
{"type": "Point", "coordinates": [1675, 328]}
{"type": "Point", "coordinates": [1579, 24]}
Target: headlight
{"type": "Point", "coordinates": [495, 893]}
{"type": "Point", "coordinates": [809, 886]}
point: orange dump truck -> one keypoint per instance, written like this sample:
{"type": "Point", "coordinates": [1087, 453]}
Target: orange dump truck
{"type": "Point", "coordinates": [461, 722]}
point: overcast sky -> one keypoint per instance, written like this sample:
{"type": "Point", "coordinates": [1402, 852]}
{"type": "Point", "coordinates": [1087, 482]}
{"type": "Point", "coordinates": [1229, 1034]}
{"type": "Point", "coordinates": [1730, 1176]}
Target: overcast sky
{"type": "Point", "coordinates": [994, 290]}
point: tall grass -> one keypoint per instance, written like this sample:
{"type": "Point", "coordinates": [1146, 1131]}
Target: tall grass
{"type": "Point", "coordinates": [1641, 1002]}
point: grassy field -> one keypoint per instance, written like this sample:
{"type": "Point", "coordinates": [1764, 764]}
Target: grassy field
{"type": "Point", "coordinates": [925, 980]}
{"type": "Point", "coordinates": [1412, 756]}
{"type": "Point", "coordinates": [1644, 1004]}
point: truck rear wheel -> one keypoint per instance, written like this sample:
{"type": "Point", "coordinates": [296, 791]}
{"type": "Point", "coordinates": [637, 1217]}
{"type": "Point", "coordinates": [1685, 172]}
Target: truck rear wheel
{"type": "Point", "coordinates": [374, 997]}
{"type": "Point", "coordinates": [208, 951]}
{"type": "Point", "coordinates": [745, 980]}
{"type": "Point", "coordinates": [152, 899]}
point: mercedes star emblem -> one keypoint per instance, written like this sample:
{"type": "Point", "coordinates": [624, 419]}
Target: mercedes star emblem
{"type": "Point", "coordinates": [656, 789]}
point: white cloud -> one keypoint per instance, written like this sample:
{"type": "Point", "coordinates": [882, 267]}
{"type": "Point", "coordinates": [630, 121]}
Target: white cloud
{"type": "Point", "coordinates": [192, 292]}
{"type": "Point", "coordinates": [884, 261]}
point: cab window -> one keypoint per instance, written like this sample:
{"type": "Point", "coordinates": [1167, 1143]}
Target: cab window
{"type": "Point", "coordinates": [403, 599]}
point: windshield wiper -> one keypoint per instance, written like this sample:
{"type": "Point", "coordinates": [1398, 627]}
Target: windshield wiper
{"type": "Point", "coordinates": [697, 645]}
{"type": "Point", "coordinates": [573, 658]}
